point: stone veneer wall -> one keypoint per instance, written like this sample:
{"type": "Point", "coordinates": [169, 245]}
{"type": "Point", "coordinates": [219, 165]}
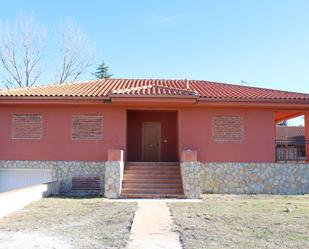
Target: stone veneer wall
{"type": "Point", "coordinates": [190, 174]}
{"type": "Point", "coordinates": [62, 171]}
{"type": "Point", "coordinates": [113, 179]}
{"type": "Point", "coordinates": [257, 178]}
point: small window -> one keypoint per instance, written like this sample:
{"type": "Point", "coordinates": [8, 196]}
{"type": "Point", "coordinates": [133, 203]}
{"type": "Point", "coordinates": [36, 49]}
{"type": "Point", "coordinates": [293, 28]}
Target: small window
{"type": "Point", "coordinates": [87, 127]}
{"type": "Point", "coordinates": [27, 126]}
{"type": "Point", "coordinates": [227, 128]}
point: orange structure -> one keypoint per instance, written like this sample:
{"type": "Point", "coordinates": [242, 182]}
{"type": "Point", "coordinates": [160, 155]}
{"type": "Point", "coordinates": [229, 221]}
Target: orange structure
{"type": "Point", "coordinates": [153, 138]}
{"type": "Point", "coordinates": [146, 118]}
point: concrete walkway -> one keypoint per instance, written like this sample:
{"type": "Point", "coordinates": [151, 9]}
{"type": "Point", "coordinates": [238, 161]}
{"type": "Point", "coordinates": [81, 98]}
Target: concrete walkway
{"type": "Point", "coordinates": [152, 228]}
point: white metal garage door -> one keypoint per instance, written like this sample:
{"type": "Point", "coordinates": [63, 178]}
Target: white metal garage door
{"type": "Point", "coordinates": [18, 178]}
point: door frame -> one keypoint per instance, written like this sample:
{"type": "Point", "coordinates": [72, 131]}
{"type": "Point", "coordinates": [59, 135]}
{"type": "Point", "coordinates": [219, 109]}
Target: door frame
{"type": "Point", "coordinates": [143, 140]}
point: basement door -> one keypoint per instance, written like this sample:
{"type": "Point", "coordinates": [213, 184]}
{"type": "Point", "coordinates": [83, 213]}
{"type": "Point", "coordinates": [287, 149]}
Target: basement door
{"type": "Point", "coordinates": [151, 148]}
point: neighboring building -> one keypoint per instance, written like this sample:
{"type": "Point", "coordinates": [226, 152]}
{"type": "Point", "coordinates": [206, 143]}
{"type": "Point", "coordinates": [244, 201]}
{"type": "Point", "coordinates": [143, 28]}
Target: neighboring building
{"type": "Point", "coordinates": [290, 143]}
{"type": "Point", "coordinates": [223, 135]}
{"type": "Point", "coordinates": [290, 133]}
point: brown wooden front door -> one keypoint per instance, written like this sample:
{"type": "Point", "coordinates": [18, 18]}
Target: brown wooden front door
{"type": "Point", "coordinates": [151, 141]}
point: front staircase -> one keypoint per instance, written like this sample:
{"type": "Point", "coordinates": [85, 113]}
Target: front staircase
{"type": "Point", "coordinates": [152, 180]}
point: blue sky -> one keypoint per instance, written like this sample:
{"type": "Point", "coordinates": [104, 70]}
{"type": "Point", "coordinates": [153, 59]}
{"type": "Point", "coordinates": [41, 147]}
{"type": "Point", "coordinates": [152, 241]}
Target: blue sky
{"type": "Point", "coordinates": [262, 42]}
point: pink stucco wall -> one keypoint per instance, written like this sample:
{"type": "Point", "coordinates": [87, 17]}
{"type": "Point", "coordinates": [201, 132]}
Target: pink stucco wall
{"type": "Point", "coordinates": [56, 143]}
{"type": "Point", "coordinates": [258, 143]}
{"type": "Point", "coordinates": [194, 131]}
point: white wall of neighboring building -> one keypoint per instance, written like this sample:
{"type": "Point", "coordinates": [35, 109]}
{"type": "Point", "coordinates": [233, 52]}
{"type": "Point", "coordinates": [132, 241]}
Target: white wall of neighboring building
{"type": "Point", "coordinates": [11, 179]}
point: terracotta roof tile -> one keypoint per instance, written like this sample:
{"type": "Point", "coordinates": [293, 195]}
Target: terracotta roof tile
{"type": "Point", "coordinates": [150, 87]}
{"type": "Point", "coordinates": [154, 90]}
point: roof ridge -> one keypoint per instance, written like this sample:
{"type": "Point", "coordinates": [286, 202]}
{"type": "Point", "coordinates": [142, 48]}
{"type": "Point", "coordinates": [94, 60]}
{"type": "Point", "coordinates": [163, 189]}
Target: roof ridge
{"type": "Point", "coordinates": [119, 90]}
{"type": "Point", "coordinates": [124, 90]}
{"type": "Point", "coordinates": [250, 87]}
{"type": "Point", "coordinates": [178, 89]}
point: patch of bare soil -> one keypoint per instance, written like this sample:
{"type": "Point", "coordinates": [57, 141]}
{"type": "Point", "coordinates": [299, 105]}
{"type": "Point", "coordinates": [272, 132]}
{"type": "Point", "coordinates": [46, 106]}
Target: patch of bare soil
{"type": "Point", "coordinates": [31, 240]}
{"type": "Point", "coordinates": [68, 223]}
{"type": "Point", "coordinates": [258, 221]}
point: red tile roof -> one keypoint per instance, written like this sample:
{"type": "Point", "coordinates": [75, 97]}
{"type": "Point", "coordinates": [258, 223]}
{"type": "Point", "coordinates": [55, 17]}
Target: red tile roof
{"type": "Point", "coordinates": [150, 87]}
{"type": "Point", "coordinates": [155, 90]}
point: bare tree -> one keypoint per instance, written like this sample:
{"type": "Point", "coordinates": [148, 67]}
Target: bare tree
{"type": "Point", "coordinates": [21, 46]}
{"type": "Point", "coordinates": [76, 52]}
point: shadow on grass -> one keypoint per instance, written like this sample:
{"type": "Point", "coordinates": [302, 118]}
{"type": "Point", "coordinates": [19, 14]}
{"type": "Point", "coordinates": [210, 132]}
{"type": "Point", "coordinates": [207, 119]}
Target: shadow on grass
{"type": "Point", "coordinates": [78, 195]}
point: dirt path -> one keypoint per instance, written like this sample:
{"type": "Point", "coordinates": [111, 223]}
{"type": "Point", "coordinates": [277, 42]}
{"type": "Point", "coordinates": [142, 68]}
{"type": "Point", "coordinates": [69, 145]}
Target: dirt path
{"type": "Point", "coordinates": [152, 228]}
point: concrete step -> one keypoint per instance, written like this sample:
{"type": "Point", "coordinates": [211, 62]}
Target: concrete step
{"type": "Point", "coordinates": [151, 196]}
{"type": "Point", "coordinates": [152, 172]}
{"type": "Point", "coordinates": [154, 181]}
{"type": "Point", "coordinates": [151, 176]}
{"type": "Point", "coordinates": [142, 186]}
{"type": "Point", "coordinates": [140, 167]}
{"type": "Point", "coordinates": [152, 163]}
{"type": "Point", "coordinates": [151, 191]}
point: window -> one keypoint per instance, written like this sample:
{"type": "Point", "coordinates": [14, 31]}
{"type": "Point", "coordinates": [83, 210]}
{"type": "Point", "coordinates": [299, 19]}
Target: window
{"type": "Point", "coordinates": [87, 127]}
{"type": "Point", "coordinates": [27, 126]}
{"type": "Point", "coordinates": [227, 128]}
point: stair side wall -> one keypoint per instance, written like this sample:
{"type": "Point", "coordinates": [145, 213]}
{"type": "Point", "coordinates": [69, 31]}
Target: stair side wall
{"type": "Point", "coordinates": [113, 179]}
{"type": "Point", "coordinates": [190, 174]}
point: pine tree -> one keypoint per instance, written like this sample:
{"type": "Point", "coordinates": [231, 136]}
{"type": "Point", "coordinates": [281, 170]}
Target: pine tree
{"type": "Point", "coordinates": [102, 71]}
{"type": "Point", "coordinates": [283, 123]}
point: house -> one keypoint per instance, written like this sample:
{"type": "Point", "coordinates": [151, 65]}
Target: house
{"type": "Point", "coordinates": [153, 138]}
{"type": "Point", "coordinates": [290, 143]}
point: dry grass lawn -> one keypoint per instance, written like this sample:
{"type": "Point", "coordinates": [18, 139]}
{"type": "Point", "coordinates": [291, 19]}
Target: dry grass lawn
{"type": "Point", "coordinates": [68, 223]}
{"type": "Point", "coordinates": [229, 221]}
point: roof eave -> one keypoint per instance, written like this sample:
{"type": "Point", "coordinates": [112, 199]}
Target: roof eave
{"type": "Point", "coordinates": [51, 100]}
{"type": "Point", "coordinates": [53, 97]}
{"type": "Point", "coordinates": [248, 100]}
{"type": "Point", "coordinates": [260, 103]}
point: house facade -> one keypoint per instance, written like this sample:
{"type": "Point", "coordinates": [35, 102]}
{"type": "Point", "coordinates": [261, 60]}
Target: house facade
{"type": "Point", "coordinates": [153, 138]}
